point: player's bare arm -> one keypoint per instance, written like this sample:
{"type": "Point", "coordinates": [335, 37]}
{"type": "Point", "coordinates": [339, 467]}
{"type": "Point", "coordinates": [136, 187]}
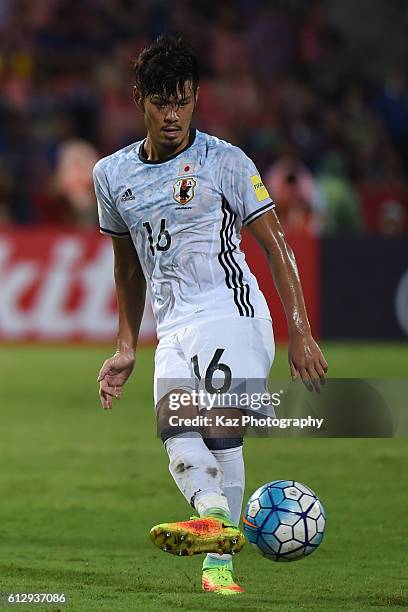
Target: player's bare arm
{"type": "Point", "coordinates": [131, 291]}
{"type": "Point", "coordinates": [305, 357]}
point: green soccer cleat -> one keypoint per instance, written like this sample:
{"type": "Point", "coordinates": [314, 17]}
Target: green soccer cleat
{"type": "Point", "coordinates": [207, 534]}
{"type": "Point", "coordinates": [220, 580]}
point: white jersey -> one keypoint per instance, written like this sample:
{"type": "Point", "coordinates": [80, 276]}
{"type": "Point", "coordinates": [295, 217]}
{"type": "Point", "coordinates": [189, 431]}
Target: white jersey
{"type": "Point", "coordinates": [184, 215]}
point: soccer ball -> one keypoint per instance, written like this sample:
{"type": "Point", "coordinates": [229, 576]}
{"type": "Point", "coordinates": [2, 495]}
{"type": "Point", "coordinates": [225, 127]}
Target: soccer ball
{"type": "Point", "coordinates": [284, 520]}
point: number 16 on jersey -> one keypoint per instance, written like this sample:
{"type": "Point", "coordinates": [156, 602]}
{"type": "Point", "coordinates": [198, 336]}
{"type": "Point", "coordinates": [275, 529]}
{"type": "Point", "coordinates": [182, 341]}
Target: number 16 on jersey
{"type": "Point", "coordinates": [163, 241]}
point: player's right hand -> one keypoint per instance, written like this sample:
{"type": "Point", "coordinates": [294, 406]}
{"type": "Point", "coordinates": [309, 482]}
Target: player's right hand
{"type": "Point", "coordinates": [113, 375]}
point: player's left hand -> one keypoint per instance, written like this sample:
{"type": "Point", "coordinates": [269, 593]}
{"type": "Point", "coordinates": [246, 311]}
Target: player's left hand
{"type": "Point", "coordinates": [307, 360]}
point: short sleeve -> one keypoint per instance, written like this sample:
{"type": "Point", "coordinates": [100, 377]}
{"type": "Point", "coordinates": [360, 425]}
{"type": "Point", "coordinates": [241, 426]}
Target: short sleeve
{"type": "Point", "coordinates": [110, 221]}
{"type": "Point", "coordinates": [242, 186]}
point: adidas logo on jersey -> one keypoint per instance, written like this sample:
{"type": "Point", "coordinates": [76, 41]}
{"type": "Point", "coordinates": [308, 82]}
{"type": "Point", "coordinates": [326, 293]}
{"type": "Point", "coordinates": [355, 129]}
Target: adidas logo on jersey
{"type": "Point", "coordinates": [128, 195]}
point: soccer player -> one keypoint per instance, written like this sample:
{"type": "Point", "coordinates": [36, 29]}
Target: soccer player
{"type": "Point", "coordinates": [174, 204]}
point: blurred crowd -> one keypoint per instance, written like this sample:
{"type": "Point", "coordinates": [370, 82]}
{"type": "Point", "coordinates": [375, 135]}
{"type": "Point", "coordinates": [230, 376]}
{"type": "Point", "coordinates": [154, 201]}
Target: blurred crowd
{"type": "Point", "coordinates": [278, 79]}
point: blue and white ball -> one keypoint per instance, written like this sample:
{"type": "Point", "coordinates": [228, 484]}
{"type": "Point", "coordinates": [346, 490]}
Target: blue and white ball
{"type": "Point", "coordinates": [284, 520]}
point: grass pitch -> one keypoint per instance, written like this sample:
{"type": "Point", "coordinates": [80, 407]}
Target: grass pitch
{"type": "Point", "coordinates": [80, 489]}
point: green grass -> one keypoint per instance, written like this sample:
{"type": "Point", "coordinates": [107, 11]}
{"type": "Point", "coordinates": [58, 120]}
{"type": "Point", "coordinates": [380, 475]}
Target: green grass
{"type": "Point", "coordinates": [80, 488]}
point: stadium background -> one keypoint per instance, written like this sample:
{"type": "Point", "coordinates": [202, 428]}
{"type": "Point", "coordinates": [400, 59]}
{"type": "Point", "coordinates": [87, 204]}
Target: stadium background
{"type": "Point", "coordinates": [316, 93]}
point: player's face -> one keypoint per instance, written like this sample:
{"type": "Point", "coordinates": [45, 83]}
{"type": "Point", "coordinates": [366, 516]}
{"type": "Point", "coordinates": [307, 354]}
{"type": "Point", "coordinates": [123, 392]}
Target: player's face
{"type": "Point", "coordinates": [168, 121]}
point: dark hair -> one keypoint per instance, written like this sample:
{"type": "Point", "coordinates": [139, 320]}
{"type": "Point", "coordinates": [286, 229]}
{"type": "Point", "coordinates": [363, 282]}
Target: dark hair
{"type": "Point", "coordinates": [163, 68]}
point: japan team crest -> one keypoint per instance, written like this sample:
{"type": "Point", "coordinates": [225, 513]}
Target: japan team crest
{"type": "Point", "coordinates": [183, 190]}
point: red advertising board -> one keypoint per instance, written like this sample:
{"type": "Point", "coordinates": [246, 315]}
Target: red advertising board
{"type": "Point", "coordinates": [58, 285]}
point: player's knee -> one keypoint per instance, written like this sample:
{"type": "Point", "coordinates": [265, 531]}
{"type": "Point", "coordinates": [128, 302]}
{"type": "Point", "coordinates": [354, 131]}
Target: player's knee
{"type": "Point", "coordinates": [223, 443]}
{"type": "Point", "coordinates": [176, 420]}
{"type": "Point", "coordinates": [168, 433]}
